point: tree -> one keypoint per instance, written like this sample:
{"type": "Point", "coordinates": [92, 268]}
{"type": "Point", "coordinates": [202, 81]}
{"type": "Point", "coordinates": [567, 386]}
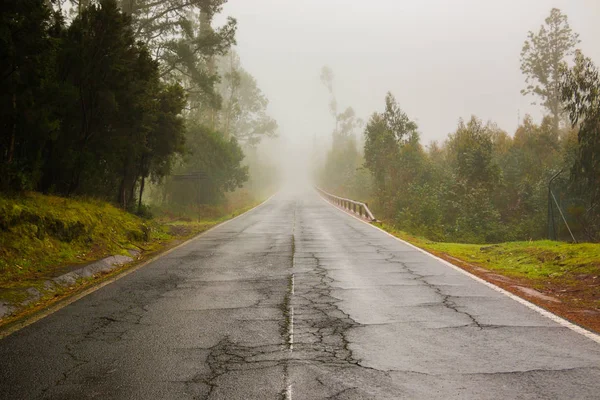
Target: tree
{"type": "Point", "coordinates": [218, 159]}
{"type": "Point", "coordinates": [244, 112]}
{"type": "Point", "coordinates": [165, 139]}
{"type": "Point", "coordinates": [385, 135]}
{"type": "Point", "coordinates": [581, 95]}
{"type": "Point", "coordinates": [541, 58]}
{"type": "Point", "coordinates": [472, 151]}
{"type": "Point", "coordinates": [342, 172]}
{"type": "Point", "coordinates": [180, 35]}
{"type": "Point", "coordinates": [107, 78]}
{"type": "Point", "coordinates": [327, 80]}
{"type": "Point", "coordinates": [119, 124]}
{"type": "Point", "coordinates": [28, 46]}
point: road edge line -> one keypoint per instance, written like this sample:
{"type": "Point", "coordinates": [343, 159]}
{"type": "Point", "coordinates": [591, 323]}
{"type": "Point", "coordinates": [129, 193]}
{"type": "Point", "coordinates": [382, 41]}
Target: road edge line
{"type": "Point", "coordinates": [78, 296]}
{"type": "Point", "coordinates": [555, 318]}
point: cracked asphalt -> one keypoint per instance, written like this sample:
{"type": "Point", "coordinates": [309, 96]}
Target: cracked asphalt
{"type": "Point", "coordinates": [297, 300]}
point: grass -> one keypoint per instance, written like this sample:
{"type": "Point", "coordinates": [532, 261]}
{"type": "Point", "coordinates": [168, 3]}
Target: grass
{"type": "Point", "coordinates": [552, 267]}
{"type": "Point", "coordinates": [541, 259]}
{"type": "Point", "coordinates": [44, 236]}
{"type": "Point", "coordinates": [39, 234]}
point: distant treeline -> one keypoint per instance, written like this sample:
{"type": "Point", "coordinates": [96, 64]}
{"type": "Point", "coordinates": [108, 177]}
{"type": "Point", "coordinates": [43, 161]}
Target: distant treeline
{"type": "Point", "coordinates": [99, 97]}
{"type": "Point", "coordinates": [483, 185]}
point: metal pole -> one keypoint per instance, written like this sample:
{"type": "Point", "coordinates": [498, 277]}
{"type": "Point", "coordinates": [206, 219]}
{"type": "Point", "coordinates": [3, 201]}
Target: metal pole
{"type": "Point", "coordinates": [551, 226]}
{"type": "Point", "coordinates": [563, 217]}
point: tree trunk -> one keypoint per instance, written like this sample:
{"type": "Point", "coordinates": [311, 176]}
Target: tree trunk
{"type": "Point", "coordinates": [13, 134]}
{"type": "Point", "coordinates": [555, 109]}
{"type": "Point", "coordinates": [83, 4]}
{"type": "Point", "coordinates": [131, 196]}
{"type": "Point", "coordinates": [75, 179]}
{"type": "Point", "coordinates": [141, 193]}
{"type": "Point", "coordinates": [205, 30]}
{"type": "Point", "coordinates": [122, 198]}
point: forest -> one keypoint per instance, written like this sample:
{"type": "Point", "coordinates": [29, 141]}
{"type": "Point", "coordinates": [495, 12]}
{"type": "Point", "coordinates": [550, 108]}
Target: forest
{"type": "Point", "coordinates": [106, 99]}
{"type": "Point", "coordinates": [483, 184]}
{"type": "Point", "coordinates": [103, 98]}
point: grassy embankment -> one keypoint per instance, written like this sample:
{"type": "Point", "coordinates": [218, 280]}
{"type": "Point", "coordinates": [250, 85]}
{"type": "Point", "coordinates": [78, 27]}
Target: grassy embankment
{"type": "Point", "coordinates": [42, 237]}
{"type": "Point", "coordinates": [568, 273]}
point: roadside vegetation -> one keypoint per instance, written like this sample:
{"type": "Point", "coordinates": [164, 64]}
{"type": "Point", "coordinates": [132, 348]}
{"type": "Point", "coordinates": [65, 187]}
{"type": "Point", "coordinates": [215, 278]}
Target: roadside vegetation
{"type": "Point", "coordinates": [43, 237]}
{"type": "Point", "coordinates": [565, 277]}
{"type": "Point", "coordinates": [103, 98]}
{"type": "Point", "coordinates": [483, 184]}
{"type": "Point", "coordinates": [550, 266]}
{"type": "Point", "coordinates": [485, 197]}
{"type": "Point", "coordinates": [124, 125]}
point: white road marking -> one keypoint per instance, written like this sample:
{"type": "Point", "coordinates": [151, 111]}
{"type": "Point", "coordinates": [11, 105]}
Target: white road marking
{"type": "Point", "coordinates": [539, 310]}
{"type": "Point", "coordinates": [288, 383]}
{"type": "Point", "coordinates": [291, 328]}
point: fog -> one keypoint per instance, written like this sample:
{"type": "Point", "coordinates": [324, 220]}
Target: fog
{"type": "Point", "coordinates": [443, 60]}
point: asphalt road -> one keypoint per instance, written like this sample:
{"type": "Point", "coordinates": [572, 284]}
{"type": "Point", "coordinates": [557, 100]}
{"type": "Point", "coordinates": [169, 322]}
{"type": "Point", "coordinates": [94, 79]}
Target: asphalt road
{"type": "Point", "coordinates": [296, 300]}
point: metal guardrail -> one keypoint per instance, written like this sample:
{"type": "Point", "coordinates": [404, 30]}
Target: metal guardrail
{"type": "Point", "coordinates": [361, 209]}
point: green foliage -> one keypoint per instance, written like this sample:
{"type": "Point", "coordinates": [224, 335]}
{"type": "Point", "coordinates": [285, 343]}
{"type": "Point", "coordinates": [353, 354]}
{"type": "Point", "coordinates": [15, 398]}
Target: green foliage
{"type": "Point", "coordinates": [480, 186]}
{"type": "Point", "coordinates": [471, 149]}
{"type": "Point", "coordinates": [581, 95]}
{"type": "Point", "coordinates": [28, 46]}
{"type": "Point", "coordinates": [38, 233]}
{"type": "Point", "coordinates": [219, 161]}
{"type": "Point", "coordinates": [341, 167]}
{"type": "Point", "coordinates": [244, 113]}
{"type": "Point", "coordinates": [96, 118]}
{"type": "Point", "coordinates": [541, 59]}
{"type": "Point", "coordinates": [342, 171]}
{"type": "Point", "coordinates": [390, 137]}
{"type": "Point", "coordinates": [565, 270]}
{"type": "Point", "coordinates": [537, 260]}
{"type": "Point", "coordinates": [42, 236]}
{"type": "Point", "coordinates": [181, 36]}
{"type": "Point", "coordinates": [99, 106]}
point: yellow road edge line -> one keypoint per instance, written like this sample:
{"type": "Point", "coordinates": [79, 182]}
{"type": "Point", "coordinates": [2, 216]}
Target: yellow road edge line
{"type": "Point", "coordinates": [17, 326]}
{"type": "Point", "coordinates": [559, 320]}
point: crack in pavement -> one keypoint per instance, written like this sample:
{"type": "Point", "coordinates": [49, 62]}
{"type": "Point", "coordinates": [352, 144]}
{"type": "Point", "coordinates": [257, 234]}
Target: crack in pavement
{"type": "Point", "coordinates": [228, 357]}
{"type": "Point", "coordinates": [290, 324]}
{"type": "Point", "coordinates": [446, 298]}
{"type": "Point", "coordinates": [288, 311]}
{"type": "Point", "coordinates": [338, 395]}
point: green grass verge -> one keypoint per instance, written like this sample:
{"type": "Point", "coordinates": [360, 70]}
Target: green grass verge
{"type": "Point", "coordinates": [540, 260]}
{"type": "Point", "coordinates": [45, 236]}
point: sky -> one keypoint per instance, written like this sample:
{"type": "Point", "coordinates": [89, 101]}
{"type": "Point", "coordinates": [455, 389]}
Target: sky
{"type": "Point", "coordinates": [442, 59]}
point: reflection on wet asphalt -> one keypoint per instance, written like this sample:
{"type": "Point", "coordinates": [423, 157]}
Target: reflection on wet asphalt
{"type": "Point", "coordinates": [297, 300]}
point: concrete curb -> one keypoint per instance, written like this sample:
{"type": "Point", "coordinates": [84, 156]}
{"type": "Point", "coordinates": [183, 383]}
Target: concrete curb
{"type": "Point", "coordinates": [52, 308]}
{"type": "Point", "coordinates": [102, 266]}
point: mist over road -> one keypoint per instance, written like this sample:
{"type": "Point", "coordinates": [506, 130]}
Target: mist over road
{"type": "Point", "coordinates": [296, 299]}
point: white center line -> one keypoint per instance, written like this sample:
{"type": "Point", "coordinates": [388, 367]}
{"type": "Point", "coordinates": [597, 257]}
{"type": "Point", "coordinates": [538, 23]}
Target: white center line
{"type": "Point", "coordinates": [288, 383]}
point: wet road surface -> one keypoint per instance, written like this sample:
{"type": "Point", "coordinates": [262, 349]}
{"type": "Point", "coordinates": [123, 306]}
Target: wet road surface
{"type": "Point", "coordinates": [297, 300]}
